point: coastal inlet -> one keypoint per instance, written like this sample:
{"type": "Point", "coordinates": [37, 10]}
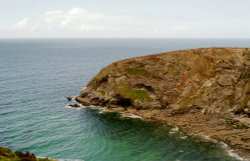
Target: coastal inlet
{"type": "Point", "coordinates": [36, 76]}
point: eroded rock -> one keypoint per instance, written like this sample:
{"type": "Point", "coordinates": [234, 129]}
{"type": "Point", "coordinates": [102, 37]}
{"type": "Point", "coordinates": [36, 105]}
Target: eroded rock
{"type": "Point", "coordinates": [212, 78]}
{"type": "Point", "coordinates": [201, 90]}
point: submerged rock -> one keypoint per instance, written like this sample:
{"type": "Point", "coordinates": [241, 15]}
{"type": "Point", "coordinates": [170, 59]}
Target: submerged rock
{"type": "Point", "coordinates": [208, 83]}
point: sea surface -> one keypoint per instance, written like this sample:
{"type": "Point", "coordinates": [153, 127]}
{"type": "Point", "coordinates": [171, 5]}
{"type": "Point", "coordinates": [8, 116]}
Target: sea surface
{"type": "Point", "coordinates": [37, 74]}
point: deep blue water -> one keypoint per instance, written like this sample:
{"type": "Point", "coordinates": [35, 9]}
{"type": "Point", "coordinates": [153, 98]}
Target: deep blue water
{"type": "Point", "coordinates": [35, 77]}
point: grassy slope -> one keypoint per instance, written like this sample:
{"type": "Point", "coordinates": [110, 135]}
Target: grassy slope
{"type": "Point", "coordinates": [8, 155]}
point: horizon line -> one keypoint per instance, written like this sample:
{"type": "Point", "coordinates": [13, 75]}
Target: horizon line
{"type": "Point", "coordinates": [4, 38]}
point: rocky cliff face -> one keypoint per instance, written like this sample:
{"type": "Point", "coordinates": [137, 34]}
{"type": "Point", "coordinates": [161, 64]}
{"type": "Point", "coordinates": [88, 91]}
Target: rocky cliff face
{"type": "Point", "coordinates": [207, 81]}
{"type": "Point", "coordinates": [205, 92]}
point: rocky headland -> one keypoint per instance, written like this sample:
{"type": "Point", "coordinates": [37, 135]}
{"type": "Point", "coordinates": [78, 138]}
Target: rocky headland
{"type": "Point", "coordinates": [205, 92]}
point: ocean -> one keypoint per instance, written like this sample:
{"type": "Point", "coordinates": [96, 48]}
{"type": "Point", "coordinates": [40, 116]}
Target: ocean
{"type": "Point", "coordinates": [36, 75]}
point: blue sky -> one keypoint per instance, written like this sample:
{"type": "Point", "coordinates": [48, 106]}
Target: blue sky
{"type": "Point", "coordinates": [130, 18]}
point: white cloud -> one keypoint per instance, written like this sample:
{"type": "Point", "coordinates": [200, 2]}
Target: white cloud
{"type": "Point", "coordinates": [23, 24]}
{"type": "Point", "coordinates": [75, 17]}
{"type": "Point", "coordinates": [78, 22]}
{"type": "Point", "coordinates": [76, 11]}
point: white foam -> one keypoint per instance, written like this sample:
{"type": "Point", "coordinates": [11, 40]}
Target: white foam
{"type": "Point", "coordinates": [174, 129]}
{"type": "Point", "coordinates": [183, 137]}
{"type": "Point", "coordinates": [208, 138]}
{"type": "Point", "coordinates": [81, 105]}
{"type": "Point", "coordinates": [72, 98]}
{"type": "Point", "coordinates": [103, 111]}
{"type": "Point", "coordinates": [78, 108]}
{"type": "Point", "coordinates": [67, 106]}
{"type": "Point", "coordinates": [226, 148]}
{"type": "Point", "coordinates": [94, 107]}
{"type": "Point", "coordinates": [231, 152]}
{"type": "Point", "coordinates": [181, 151]}
{"type": "Point", "coordinates": [131, 116]}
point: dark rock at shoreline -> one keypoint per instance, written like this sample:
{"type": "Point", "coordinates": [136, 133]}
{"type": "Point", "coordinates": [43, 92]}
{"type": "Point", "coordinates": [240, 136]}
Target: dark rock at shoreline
{"type": "Point", "coordinates": [69, 98]}
{"type": "Point", "coordinates": [75, 105]}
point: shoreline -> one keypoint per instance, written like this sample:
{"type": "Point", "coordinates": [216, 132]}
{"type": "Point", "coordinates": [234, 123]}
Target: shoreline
{"type": "Point", "coordinates": [206, 128]}
{"type": "Point", "coordinates": [203, 91]}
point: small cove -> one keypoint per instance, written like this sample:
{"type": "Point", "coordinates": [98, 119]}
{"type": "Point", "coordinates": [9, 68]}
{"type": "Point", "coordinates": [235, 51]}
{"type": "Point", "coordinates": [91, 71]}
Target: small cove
{"type": "Point", "coordinates": [37, 75]}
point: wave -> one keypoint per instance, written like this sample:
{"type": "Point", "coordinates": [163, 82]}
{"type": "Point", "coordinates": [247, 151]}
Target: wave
{"type": "Point", "coordinates": [231, 152]}
{"type": "Point", "coordinates": [130, 116]}
{"type": "Point", "coordinates": [225, 147]}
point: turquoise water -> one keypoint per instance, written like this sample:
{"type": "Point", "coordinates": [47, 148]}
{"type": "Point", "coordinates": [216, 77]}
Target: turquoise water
{"type": "Point", "coordinates": [37, 75]}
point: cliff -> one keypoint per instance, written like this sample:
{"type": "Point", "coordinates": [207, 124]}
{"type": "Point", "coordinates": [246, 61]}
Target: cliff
{"type": "Point", "coordinates": [205, 91]}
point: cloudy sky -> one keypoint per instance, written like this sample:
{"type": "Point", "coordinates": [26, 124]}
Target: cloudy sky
{"type": "Point", "coordinates": [130, 18]}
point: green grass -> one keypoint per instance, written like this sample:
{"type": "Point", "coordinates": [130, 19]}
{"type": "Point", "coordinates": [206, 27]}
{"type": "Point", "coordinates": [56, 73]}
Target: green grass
{"type": "Point", "coordinates": [133, 94]}
{"type": "Point", "coordinates": [136, 70]}
{"type": "Point", "coordinates": [101, 91]}
{"type": "Point", "coordinates": [174, 73]}
{"type": "Point", "coordinates": [8, 155]}
{"type": "Point", "coordinates": [188, 101]}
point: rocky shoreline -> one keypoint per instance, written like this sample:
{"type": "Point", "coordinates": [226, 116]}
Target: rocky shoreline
{"type": "Point", "coordinates": [205, 92]}
{"type": "Point", "coordinates": [207, 128]}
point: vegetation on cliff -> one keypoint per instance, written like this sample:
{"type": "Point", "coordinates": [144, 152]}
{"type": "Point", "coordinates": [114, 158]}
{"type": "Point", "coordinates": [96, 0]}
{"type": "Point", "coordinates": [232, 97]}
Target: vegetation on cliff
{"type": "Point", "coordinates": [215, 80]}
{"type": "Point", "coordinates": [8, 155]}
{"type": "Point", "coordinates": [202, 90]}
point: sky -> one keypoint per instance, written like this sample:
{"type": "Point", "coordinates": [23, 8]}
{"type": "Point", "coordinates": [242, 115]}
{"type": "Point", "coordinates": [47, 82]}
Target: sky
{"type": "Point", "coordinates": [124, 19]}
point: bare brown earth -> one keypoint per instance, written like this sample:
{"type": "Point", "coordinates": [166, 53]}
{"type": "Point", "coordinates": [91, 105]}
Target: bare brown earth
{"type": "Point", "coordinates": [205, 92]}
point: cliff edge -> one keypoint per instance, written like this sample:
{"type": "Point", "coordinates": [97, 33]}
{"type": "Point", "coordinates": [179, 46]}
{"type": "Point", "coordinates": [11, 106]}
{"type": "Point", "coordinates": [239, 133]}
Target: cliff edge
{"type": "Point", "coordinates": [204, 91]}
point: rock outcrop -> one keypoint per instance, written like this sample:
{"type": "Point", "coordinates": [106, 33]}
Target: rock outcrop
{"type": "Point", "coordinates": [207, 83]}
{"type": "Point", "coordinates": [8, 155]}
